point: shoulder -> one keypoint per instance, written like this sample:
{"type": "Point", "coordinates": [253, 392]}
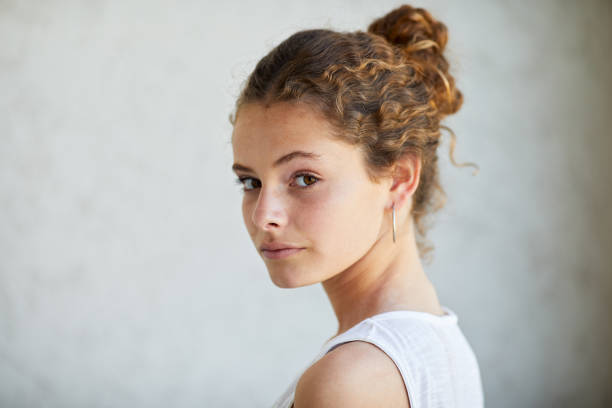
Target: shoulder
{"type": "Point", "coordinates": [355, 374]}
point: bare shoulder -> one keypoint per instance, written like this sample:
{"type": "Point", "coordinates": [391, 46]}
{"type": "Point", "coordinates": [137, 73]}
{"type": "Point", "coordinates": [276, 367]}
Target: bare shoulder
{"type": "Point", "coordinates": [354, 374]}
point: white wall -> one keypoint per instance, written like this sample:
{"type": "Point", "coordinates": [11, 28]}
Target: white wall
{"type": "Point", "coordinates": [127, 278]}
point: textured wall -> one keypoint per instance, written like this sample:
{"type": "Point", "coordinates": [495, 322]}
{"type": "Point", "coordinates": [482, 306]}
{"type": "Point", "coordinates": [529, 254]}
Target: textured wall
{"type": "Point", "coordinates": [128, 280]}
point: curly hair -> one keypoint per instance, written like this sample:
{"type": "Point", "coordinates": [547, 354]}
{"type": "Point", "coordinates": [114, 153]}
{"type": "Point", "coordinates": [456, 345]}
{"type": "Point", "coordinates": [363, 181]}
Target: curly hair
{"type": "Point", "coordinates": [385, 90]}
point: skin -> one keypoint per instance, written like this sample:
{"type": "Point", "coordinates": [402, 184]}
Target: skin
{"type": "Point", "coordinates": [343, 221]}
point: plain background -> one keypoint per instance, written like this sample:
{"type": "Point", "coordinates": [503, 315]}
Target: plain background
{"type": "Point", "coordinates": [127, 277]}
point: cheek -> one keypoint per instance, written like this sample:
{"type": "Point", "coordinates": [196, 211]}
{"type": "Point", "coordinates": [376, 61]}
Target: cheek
{"type": "Point", "coordinates": [247, 210]}
{"type": "Point", "coordinates": [340, 221]}
{"type": "Point", "coordinates": [316, 212]}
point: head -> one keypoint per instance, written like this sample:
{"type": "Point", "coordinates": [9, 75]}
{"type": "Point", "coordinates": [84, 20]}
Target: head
{"type": "Point", "coordinates": [364, 110]}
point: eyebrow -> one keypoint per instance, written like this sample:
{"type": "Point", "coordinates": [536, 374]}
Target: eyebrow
{"type": "Point", "coordinates": [282, 160]}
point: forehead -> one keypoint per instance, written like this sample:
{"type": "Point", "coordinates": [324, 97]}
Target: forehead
{"type": "Point", "coordinates": [281, 127]}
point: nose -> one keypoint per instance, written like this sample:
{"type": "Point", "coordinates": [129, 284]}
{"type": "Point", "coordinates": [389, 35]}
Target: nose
{"type": "Point", "coordinates": [269, 213]}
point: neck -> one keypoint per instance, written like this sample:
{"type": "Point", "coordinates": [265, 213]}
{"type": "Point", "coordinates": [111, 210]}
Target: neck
{"type": "Point", "coordinates": [388, 277]}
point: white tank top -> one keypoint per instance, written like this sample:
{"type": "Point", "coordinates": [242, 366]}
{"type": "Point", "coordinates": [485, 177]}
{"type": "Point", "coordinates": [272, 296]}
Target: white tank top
{"type": "Point", "coordinates": [436, 362]}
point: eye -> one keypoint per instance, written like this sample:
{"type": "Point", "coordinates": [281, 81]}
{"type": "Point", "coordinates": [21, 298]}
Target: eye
{"type": "Point", "coordinates": [308, 179]}
{"type": "Point", "coordinates": [248, 183]}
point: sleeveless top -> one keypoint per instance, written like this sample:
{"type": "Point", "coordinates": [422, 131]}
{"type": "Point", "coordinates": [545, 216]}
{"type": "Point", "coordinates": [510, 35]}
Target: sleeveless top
{"type": "Point", "coordinates": [436, 362]}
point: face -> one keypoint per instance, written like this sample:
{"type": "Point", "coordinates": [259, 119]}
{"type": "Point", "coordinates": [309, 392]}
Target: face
{"type": "Point", "coordinates": [304, 191]}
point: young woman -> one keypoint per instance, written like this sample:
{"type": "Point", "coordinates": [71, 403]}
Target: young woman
{"type": "Point", "coordinates": [334, 140]}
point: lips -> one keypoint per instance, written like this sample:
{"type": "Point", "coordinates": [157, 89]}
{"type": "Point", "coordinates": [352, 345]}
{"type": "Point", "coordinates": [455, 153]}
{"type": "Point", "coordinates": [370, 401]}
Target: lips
{"type": "Point", "coordinates": [280, 253]}
{"type": "Point", "coordinates": [275, 246]}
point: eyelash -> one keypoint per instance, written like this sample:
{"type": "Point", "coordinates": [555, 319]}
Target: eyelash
{"type": "Point", "coordinates": [240, 181]}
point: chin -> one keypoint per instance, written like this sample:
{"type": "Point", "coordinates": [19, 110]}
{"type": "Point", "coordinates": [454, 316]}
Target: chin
{"type": "Point", "coordinates": [288, 279]}
{"type": "Point", "coordinates": [285, 282]}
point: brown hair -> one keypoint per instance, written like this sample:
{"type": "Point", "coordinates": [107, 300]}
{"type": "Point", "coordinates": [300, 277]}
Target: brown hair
{"type": "Point", "coordinates": [385, 90]}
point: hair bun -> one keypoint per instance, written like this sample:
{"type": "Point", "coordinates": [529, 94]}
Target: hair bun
{"type": "Point", "coordinates": [423, 39]}
{"type": "Point", "coordinates": [413, 29]}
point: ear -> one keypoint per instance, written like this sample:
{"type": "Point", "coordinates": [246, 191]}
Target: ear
{"type": "Point", "coordinates": [406, 176]}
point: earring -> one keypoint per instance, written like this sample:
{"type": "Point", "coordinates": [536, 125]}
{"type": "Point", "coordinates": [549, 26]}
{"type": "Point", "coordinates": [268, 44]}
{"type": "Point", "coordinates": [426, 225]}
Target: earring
{"type": "Point", "coordinates": [393, 217]}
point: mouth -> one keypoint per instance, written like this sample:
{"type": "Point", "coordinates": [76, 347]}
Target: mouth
{"type": "Point", "coordinates": [280, 253]}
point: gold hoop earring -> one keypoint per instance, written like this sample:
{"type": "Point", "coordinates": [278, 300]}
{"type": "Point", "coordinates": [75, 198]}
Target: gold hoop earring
{"type": "Point", "coordinates": [393, 217]}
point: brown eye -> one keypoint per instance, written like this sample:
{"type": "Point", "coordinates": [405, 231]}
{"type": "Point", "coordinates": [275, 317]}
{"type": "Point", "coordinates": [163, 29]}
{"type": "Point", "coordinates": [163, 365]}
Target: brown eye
{"type": "Point", "coordinates": [249, 183]}
{"type": "Point", "coordinates": [308, 179]}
